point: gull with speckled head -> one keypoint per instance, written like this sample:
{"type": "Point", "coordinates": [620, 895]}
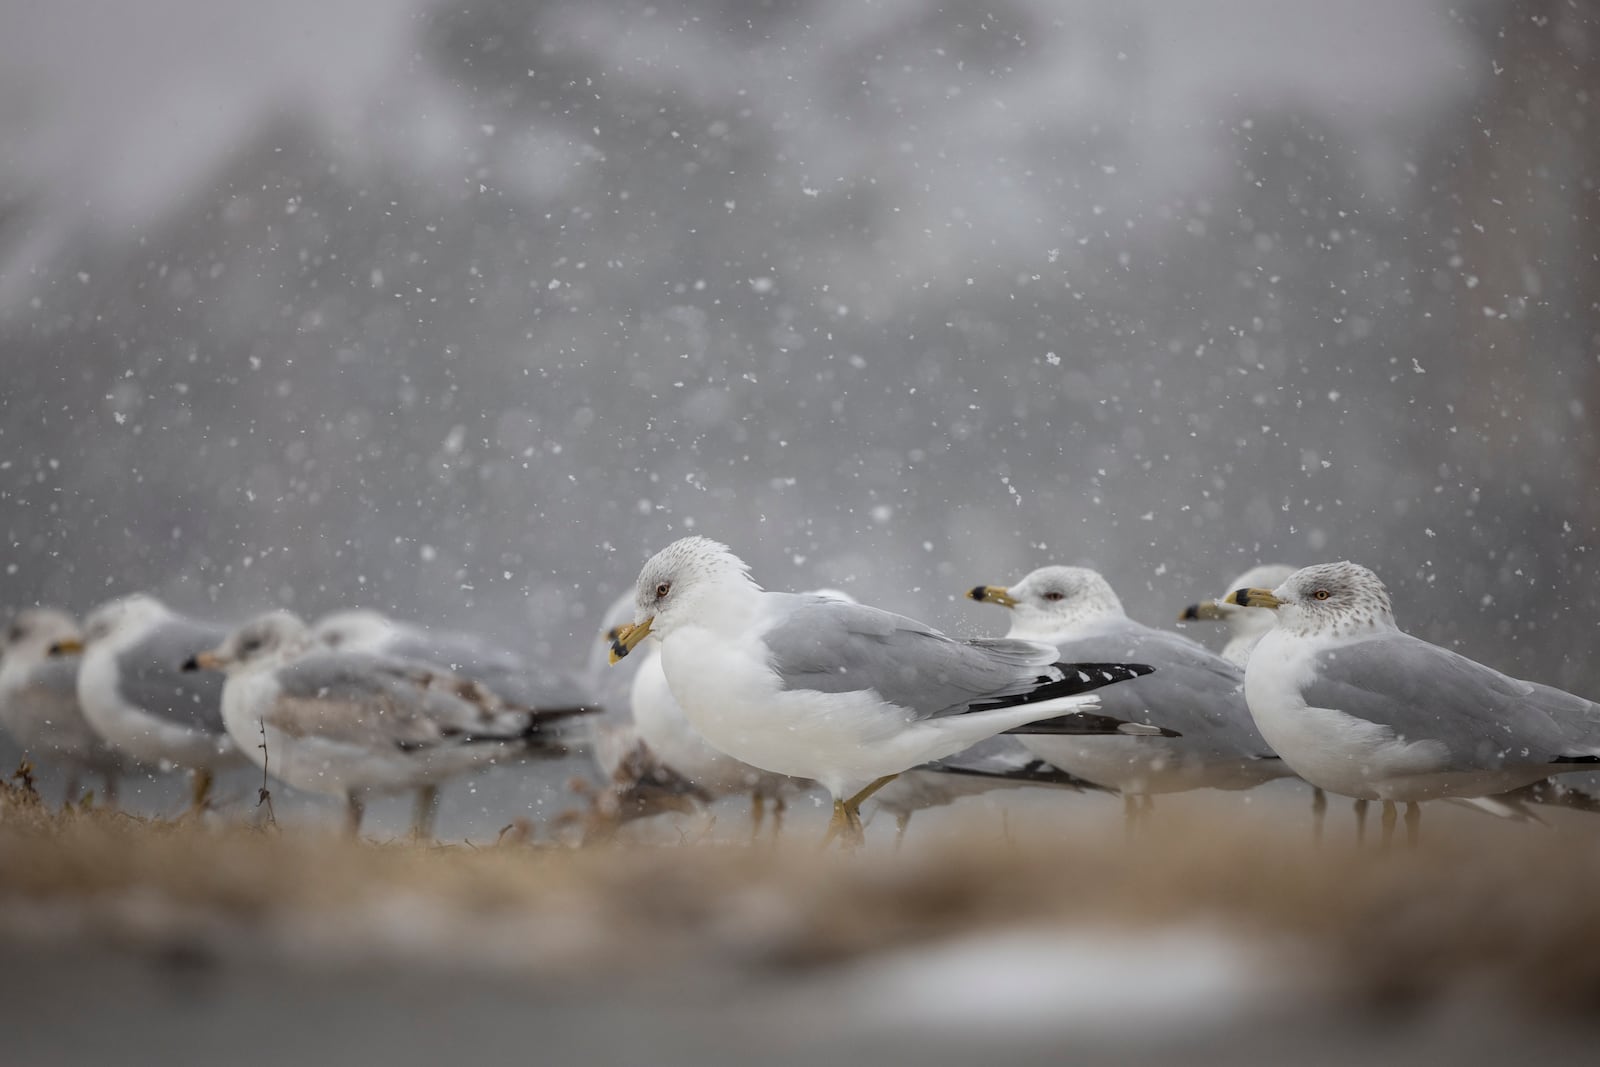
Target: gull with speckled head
{"type": "Point", "coordinates": [347, 723]}
{"type": "Point", "coordinates": [845, 694]}
{"type": "Point", "coordinates": [1193, 691]}
{"type": "Point", "coordinates": [1361, 708]}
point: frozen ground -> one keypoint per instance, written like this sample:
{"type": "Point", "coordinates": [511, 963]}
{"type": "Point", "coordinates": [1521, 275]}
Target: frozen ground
{"type": "Point", "coordinates": [1207, 940]}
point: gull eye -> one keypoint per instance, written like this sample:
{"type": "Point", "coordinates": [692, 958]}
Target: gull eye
{"type": "Point", "coordinates": [1055, 595]}
{"type": "Point", "coordinates": [249, 645]}
{"type": "Point", "coordinates": [15, 634]}
{"type": "Point", "coordinates": [663, 589]}
{"type": "Point", "coordinates": [1322, 594]}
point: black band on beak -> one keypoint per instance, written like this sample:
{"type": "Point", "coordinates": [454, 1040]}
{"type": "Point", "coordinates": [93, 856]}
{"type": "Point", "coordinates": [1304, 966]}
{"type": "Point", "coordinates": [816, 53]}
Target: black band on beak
{"type": "Point", "coordinates": [1241, 597]}
{"type": "Point", "coordinates": [190, 664]}
{"type": "Point", "coordinates": [1190, 614]}
{"type": "Point", "coordinates": [976, 592]}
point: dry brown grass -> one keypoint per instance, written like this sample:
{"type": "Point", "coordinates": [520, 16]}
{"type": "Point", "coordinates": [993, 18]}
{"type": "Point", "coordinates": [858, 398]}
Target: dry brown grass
{"type": "Point", "coordinates": [1516, 912]}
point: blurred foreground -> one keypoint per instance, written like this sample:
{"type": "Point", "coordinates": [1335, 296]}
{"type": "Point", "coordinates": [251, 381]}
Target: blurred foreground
{"type": "Point", "coordinates": [1202, 941]}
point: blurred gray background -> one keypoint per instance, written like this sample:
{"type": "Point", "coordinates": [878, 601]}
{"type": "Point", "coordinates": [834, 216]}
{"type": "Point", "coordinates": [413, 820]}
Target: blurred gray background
{"type": "Point", "coordinates": [461, 310]}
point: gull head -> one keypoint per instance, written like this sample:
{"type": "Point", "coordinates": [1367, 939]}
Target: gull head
{"type": "Point", "coordinates": [616, 617]}
{"type": "Point", "coordinates": [1242, 621]}
{"type": "Point", "coordinates": [689, 580]}
{"type": "Point", "coordinates": [123, 621]}
{"type": "Point", "coordinates": [1052, 599]}
{"type": "Point", "coordinates": [1341, 599]}
{"type": "Point", "coordinates": [36, 633]}
{"type": "Point", "coordinates": [360, 629]}
{"type": "Point", "coordinates": [265, 641]}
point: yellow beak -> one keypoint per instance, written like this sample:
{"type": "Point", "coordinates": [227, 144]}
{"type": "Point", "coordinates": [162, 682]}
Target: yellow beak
{"type": "Point", "coordinates": [992, 594]}
{"type": "Point", "coordinates": [1253, 598]}
{"type": "Point", "coordinates": [208, 661]}
{"type": "Point", "coordinates": [69, 647]}
{"type": "Point", "coordinates": [629, 637]}
{"type": "Point", "coordinates": [1206, 609]}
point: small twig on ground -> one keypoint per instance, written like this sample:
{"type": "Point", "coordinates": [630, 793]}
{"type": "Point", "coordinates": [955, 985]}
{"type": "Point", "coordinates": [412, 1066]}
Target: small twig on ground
{"type": "Point", "coordinates": [264, 795]}
{"type": "Point", "coordinates": [24, 775]}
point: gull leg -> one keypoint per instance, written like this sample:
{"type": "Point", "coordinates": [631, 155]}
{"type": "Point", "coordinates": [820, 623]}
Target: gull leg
{"type": "Point", "coordinates": [1319, 812]}
{"type": "Point", "coordinates": [846, 821]}
{"type": "Point", "coordinates": [758, 813]}
{"type": "Point", "coordinates": [354, 809]}
{"type": "Point", "coordinates": [427, 809]}
{"type": "Point", "coordinates": [1130, 814]}
{"type": "Point", "coordinates": [779, 806]}
{"type": "Point", "coordinates": [836, 824]}
{"type": "Point", "coordinates": [1391, 815]}
{"type": "Point", "coordinates": [1413, 824]}
{"type": "Point", "coordinates": [112, 782]}
{"type": "Point", "coordinates": [69, 796]}
{"type": "Point", "coordinates": [200, 780]}
{"type": "Point", "coordinates": [1361, 823]}
{"type": "Point", "coordinates": [902, 819]}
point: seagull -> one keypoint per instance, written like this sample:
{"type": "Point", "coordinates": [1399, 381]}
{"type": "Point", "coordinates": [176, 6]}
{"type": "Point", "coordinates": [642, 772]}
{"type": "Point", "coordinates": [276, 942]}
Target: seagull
{"type": "Point", "coordinates": [1246, 626]}
{"type": "Point", "coordinates": [844, 694]}
{"type": "Point", "coordinates": [135, 694]}
{"type": "Point", "coordinates": [1361, 708]}
{"type": "Point", "coordinates": [39, 700]}
{"type": "Point", "coordinates": [998, 763]}
{"type": "Point", "coordinates": [1193, 691]}
{"type": "Point", "coordinates": [511, 676]}
{"type": "Point", "coordinates": [345, 723]}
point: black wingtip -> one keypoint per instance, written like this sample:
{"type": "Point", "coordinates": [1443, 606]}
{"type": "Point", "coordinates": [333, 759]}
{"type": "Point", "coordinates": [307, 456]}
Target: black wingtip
{"type": "Point", "coordinates": [1091, 723]}
{"type": "Point", "coordinates": [1034, 772]}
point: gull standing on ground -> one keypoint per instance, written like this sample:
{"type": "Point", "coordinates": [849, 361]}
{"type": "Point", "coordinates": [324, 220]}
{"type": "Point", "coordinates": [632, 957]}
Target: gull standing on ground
{"type": "Point", "coordinates": [638, 785]}
{"type": "Point", "coordinates": [1246, 626]}
{"type": "Point", "coordinates": [1361, 708]}
{"type": "Point", "coordinates": [134, 692]}
{"type": "Point", "coordinates": [845, 694]}
{"type": "Point", "coordinates": [345, 723]}
{"type": "Point", "coordinates": [39, 701]}
{"type": "Point", "coordinates": [1193, 691]}
{"type": "Point", "coordinates": [661, 725]}
{"type": "Point", "coordinates": [509, 675]}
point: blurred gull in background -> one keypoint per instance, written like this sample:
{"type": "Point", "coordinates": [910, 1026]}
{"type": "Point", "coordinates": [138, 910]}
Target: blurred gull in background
{"type": "Point", "coordinates": [1246, 626]}
{"type": "Point", "coordinates": [511, 676]}
{"type": "Point", "coordinates": [39, 701]}
{"type": "Point", "coordinates": [135, 693]}
{"type": "Point", "coordinates": [343, 723]}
